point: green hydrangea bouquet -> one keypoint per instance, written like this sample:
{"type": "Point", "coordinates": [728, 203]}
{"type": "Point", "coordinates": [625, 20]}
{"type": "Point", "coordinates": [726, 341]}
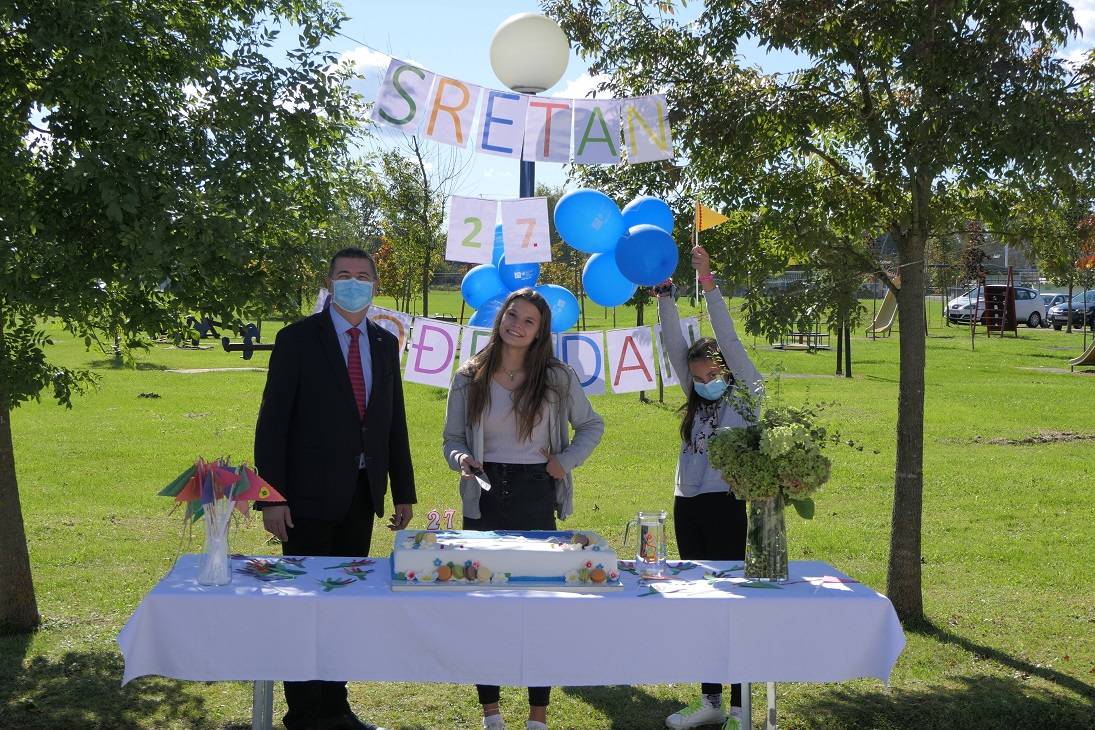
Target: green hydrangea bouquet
{"type": "Point", "coordinates": [775, 459]}
{"type": "Point", "coordinates": [780, 455]}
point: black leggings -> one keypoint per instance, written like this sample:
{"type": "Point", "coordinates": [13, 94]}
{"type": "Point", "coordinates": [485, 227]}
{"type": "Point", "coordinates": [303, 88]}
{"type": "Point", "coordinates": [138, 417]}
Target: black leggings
{"type": "Point", "coordinates": [711, 527]}
{"type": "Point", "coordinates": [521, 497]}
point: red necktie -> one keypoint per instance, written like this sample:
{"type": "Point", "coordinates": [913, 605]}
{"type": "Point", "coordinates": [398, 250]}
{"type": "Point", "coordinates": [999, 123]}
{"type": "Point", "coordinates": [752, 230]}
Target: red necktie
{"type": "Point", "coordinates": [357, 375]}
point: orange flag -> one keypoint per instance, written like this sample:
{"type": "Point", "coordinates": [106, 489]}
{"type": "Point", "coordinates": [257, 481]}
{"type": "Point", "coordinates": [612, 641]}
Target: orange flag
{"type": "Point", "coordinates": [707, 218]}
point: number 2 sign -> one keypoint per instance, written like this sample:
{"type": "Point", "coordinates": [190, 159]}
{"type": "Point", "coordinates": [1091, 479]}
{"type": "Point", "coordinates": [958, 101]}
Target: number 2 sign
{"type": "Point", "coordinates": [525, 230]}
{"type": "Point", "coordinates": [471, 229]}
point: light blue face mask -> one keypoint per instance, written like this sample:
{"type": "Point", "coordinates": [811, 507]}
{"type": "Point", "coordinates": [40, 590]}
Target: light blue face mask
{"type": "Point", "coordinates": [353, 295]}
{"type": "Point", "coordinates": [712, 390]}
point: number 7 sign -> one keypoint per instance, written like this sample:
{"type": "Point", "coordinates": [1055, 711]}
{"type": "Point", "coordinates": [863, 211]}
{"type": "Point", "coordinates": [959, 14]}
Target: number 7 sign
{"type": "Point", "coordinates": [471, 229]}
{"type": "Point", "coordinates": [525, 230]}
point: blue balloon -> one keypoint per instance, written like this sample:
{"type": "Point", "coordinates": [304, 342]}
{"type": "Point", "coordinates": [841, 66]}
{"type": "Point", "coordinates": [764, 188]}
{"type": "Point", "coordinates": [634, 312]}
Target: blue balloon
{"type": "Point", "coordinates": [647, 255]}
{"type": "Point", "coordinates": [486, 314]}
{"type": "Point", "coordinates": [603, 281]}
{"type": "Point", "coordinates": [564, 306]}
{"type": "Point", "coordinates": [480, 284]}
{"type": "Point", "coordinates": [649, 210]}
{"type": "Point", "coordinates": [589, 220]}
{"type": "Point", "coordinates": [518, 276]}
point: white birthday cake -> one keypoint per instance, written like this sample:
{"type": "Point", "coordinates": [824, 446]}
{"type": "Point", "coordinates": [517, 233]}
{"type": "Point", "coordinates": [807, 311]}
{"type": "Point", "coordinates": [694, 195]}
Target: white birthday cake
{"type": "Point", "coordinates": [558, 560]}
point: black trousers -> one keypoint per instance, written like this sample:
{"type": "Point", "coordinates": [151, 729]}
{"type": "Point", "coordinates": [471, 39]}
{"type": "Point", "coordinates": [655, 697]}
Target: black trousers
{"type": "Point", "coordinates": [349, 537]}
{"type": "Point", "coordinates": [711, 527]}
{"type": "Point", "coordinates": [522, 497]}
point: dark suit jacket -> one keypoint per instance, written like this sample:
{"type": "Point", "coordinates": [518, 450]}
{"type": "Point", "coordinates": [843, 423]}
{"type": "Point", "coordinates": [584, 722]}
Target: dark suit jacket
{"type": "Point", "coordinates": [309, 435]}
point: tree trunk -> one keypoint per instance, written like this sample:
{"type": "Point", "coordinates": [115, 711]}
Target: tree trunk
{"type": "Point", "coordinates": [426, 285]}
{"type": "Point", "coordinates": [847, 351]}
{"type": "Point", "coordinates": [840, 349]}
{"type": "Point", "coordinates": [1069, 330]}
{"type": "Point", "coordinates": [18, 607]}
{"type": "Point", "coordinates": [903, 575]}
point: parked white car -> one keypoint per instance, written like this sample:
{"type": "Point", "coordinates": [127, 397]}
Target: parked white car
{"type": "Point", "coordinates": [1029, 307]}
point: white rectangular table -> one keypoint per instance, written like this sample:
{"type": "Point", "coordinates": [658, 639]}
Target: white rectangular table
{"type": "Point", "coordinates": [822, 626]}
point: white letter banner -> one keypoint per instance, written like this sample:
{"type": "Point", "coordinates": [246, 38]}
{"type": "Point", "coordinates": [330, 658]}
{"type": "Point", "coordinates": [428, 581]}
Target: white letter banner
{"type": "Point", "coordinates": [690, 328]}
{"type": "Point", "coordinates": [547, 130]}
{"type": "Point", "coordinates": [525, 230]}
{"type": "Point", "coordinates": [646, 129]}
{"type": "Point", "coordinates": [631, 357]}
{"type": "Point", "coordinates": [401, 102]}
{"type": "Point", "coordinates": [432, 352]}
{"type": "Point", "coordinates": [472, 340]}
{"type": "Point", "coordinates": [471, 229]}
{"type": "Point", "coordinates": [596, 131]}
{"type": "Point", "coordinates": [398, 323]}
{"type": "Point", "coordinates": [451, 112]}
{"type": "Point", "coordinates": [585, 352]}
{"type": "Point", "coordinates": [502, 124]}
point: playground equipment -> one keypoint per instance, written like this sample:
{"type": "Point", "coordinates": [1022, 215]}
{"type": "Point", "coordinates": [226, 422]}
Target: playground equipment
{"type": "Point", "coordinates": [252, 337]}
{"type": "Point", "coordinates": [1085, 360]}
{"type": "Point", "coordinates": [809, 338]}
{"type": "Point", "coordinates": [883, 319]}
{"type": "Point", "coordinates": [999, 314]}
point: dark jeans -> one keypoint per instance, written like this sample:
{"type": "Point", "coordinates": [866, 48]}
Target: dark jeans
{"type": "Point", "coordinates": [522, 497]}
{"type": "Point", "coordinates": [349, 537]}
{"type": "Point", "coordinates": [711, 527]}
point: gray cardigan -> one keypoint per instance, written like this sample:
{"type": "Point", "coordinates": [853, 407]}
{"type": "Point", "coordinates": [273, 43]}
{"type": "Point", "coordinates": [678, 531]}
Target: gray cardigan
{"type": "Point", "coordinates": [462, 438]}
{"type": "Point", "coordinates": [694, 473]}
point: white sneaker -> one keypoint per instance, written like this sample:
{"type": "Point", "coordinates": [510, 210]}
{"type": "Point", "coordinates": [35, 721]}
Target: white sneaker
{"type": "Point", "coordinates": [494, 722]}
{"type": "Point", "coordinates": [535, 725]}
{"type": "Point", "coordinates": [697, 714]}
{"type": "Point", "coordinates": [733, 720]}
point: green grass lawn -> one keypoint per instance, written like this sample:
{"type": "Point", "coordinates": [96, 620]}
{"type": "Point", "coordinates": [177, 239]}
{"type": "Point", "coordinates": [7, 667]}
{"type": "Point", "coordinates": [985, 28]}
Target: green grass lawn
{"type": "Point", "coordinates": [1008, 541]}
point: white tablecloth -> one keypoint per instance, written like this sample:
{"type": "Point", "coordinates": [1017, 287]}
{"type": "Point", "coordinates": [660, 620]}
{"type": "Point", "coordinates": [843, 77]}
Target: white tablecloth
{"type": "Point", "coordinates": [820, 627]}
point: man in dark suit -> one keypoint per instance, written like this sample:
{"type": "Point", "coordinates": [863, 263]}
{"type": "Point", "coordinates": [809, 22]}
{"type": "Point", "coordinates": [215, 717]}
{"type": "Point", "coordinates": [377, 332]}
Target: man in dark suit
{"type": "Point", "coordinates": [332, 430]}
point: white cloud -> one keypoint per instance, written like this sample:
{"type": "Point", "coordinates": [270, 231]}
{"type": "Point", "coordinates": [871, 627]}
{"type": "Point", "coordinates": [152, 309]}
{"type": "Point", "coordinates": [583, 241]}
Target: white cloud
{"type": "Point", "coordinates": [581, 87]}
{"type": "Point", "coordinates": [371, 66]}
{"type": "Point", "coordinates": [1084, 12]}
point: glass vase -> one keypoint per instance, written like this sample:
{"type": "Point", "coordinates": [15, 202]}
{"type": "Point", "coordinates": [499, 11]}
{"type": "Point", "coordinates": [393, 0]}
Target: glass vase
{"type": "Point", "coordinates": [766, 540]}
{"type": "Point", "coordinates": [215, 568]}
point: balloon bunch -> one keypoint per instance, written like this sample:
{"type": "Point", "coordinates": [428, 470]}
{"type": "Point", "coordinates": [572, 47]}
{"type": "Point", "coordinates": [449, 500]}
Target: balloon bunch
{"type": "Point", "coordinates": [631, 248]}
{"type": "Point", "coordinates": [485, 288]}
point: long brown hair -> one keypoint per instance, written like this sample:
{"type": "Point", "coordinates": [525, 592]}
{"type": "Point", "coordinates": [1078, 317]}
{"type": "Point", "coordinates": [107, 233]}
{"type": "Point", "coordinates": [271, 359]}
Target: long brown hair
{"type": "Point", "coordinates": [705, 348]}
{"type": "Point", "coordinates": [530, 397]}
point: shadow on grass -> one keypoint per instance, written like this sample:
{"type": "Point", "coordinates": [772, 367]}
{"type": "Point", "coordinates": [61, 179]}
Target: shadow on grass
{"type": "Point", "coordinates": [624, 706]}
{"type": "Point", "coordinates": [83, 690]}
{"type": "Point", "coordinates": [112, 364]}
{"type": "Point", "coordinates": [1021, 666]}
{"type": "Point", "coordinates": [971, 703]}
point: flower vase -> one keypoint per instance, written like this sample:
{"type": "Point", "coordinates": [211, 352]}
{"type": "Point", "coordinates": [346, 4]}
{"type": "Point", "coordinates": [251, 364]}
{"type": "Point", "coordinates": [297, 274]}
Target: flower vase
{"type": "Point", "coordinates": [766, 540]}
{"type": "Point", "coordinates": [215, 568]}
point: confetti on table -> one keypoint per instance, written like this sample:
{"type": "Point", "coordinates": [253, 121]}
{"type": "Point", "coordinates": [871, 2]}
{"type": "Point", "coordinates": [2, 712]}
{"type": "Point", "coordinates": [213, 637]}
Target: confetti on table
{"type": "Point", "coordinates": [352, 564]}
{"type": "Point", "coordinates": [329, 584]}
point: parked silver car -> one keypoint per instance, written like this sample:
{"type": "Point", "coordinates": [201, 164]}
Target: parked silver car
{"type": "Point", "coordinates": [1050, 300]}
{"type": "Point", "coordinates": [1028, 307]}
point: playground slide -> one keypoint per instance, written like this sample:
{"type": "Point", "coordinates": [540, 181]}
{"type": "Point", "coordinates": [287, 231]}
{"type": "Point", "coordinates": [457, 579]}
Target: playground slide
{"type": "Point", "coordinates": [1088, 358]}
{"type": "Point", "coordinates": [883, 320]}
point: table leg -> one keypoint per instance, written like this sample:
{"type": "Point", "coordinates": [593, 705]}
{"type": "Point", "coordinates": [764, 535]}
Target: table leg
{"type": "Point", "coordinates": [262, 706]}
{"type": "Point", "coordinates": [770, 723]}
{"type": "Point", "coordinates": [746, 705]}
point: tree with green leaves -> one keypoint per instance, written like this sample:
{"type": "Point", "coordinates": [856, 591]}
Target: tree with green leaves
{"type": "Point", "coordinates": [1055, 226]}
{"type": "Point", "coordinates": [157, 161]}
{"type": "Point", "coordinates": [415, 183]}
{"type": "Point", "coordinates": [899, 116]}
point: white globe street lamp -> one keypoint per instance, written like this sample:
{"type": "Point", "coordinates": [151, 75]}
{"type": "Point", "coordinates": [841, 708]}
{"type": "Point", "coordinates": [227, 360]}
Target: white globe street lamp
{"type": "Point", "coordinates": [529, 54]}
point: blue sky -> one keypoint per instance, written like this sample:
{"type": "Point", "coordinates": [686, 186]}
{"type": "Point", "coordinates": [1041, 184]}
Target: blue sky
{"type": "Point", "coordinates": [452, 37]}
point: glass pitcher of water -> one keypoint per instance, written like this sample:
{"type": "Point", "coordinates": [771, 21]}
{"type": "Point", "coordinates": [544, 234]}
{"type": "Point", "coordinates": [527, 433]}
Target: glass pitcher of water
{"type": "Point", "coordinates": [650, 554]}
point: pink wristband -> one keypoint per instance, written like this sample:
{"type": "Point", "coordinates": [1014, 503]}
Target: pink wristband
{"type": "Point", "coordinates": [707, 279]}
